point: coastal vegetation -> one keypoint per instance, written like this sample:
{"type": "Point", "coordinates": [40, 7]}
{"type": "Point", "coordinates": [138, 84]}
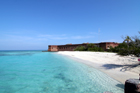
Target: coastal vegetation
{"type": "Point", "coordinates": [90, 47]}
{"type": "Point", "coordinates": [130, 46]}
{"type": "Point", "coordinates": [80, 48]}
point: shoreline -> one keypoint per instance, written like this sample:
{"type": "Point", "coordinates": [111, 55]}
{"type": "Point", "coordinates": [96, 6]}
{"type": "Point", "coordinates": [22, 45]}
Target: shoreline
{"type": "Point", "coordinates": [111, 64]}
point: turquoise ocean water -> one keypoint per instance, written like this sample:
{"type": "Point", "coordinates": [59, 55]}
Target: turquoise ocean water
{"type": "Point", "coordinates": [45, 72]}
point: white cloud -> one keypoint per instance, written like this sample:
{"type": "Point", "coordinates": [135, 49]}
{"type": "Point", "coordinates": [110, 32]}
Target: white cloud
{"type": "Point", "coordinates": [40, 38]}
{"type": "Point", "coordinates": [111, 40]}
{"type": "Point", "coordinates": [18, 37]}
{"type": "Point", "coordinates": [57, 37]}
{"type": "Point", "coordinates": [23, 39]}
{"type": "Point", "coordinates": [93, 33]}
{"type": "Point", "coordinates": [64, 36]}
{"type": "Point", "coordinates": [82, 37]}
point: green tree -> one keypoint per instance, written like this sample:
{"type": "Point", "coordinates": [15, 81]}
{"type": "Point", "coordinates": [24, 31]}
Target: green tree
{"type": "Point", "coordinates": [127, 39]}
{"type": "Point", "coordinates": [80, 48]}
{"type": "Point", "coordinates": [90, 45]}
{"type": "Point", "coordinates": [128, 47]}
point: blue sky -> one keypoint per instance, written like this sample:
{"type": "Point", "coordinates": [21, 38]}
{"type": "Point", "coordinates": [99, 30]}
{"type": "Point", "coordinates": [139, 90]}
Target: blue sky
{"type": "Point", "coordinates": [35, 24]}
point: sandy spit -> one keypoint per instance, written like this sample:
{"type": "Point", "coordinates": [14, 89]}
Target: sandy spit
{"type": "Point", "coordinates": [118, 67]}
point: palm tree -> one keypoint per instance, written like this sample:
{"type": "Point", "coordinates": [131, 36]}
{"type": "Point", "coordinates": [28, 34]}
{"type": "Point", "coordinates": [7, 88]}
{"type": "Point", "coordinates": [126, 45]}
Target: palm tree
{"type": "Point", "coordinates": [127, 39]}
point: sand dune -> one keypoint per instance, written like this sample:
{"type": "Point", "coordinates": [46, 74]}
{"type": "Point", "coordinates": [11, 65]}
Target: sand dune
{"type": "Point", "coordinates": [116, 66]}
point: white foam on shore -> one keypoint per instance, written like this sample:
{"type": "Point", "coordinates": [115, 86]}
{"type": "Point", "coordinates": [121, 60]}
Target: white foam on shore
{"type": "Point", "coordinates": [118, 67]}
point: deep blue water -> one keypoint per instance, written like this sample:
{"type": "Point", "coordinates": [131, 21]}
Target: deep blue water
{"type": "Point", "coordinates": [48, 72]}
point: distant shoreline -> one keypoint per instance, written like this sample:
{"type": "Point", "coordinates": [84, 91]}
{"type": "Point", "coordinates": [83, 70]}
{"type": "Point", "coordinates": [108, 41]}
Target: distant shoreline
{"type": "Point", "coordinates": [113, 65]}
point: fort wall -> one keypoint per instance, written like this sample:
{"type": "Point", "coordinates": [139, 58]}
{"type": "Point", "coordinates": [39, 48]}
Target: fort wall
{"type": "Point", "coordinates": [71, 47]}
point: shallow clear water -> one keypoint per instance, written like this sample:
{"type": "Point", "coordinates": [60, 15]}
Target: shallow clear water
{"type": "Point", "coordinates": [45, 72]}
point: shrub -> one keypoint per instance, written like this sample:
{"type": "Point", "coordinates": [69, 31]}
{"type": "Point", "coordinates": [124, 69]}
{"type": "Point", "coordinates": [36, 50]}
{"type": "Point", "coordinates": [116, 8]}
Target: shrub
{"type": "Point", "coordinates": [123, 52]}
{"type": "Point", "coordinates": [80, 48]}
{"type": "Point", "coordinates": [132, 47]}
{"type": "Point", "coordinates": [95, 49]}
{"type": "Point", "coordinates": [90, 45]}
{"type": "Point", "coordinates": [137, 52]}
{"type": "Point", "coordinates": [91, 49]}
{"type": "Point", "coordinates": [101, 49]}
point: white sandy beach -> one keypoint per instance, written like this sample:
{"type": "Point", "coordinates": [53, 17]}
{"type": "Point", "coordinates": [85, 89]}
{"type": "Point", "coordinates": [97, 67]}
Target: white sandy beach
{"type": "Point", "coordinates": [118, 67]}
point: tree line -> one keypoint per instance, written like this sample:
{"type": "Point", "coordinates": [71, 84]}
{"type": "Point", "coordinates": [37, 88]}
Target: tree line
{"type": "Point", "coordinates": [130, 46]}
{"type": "Point", "coordinates": [90, 47]}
